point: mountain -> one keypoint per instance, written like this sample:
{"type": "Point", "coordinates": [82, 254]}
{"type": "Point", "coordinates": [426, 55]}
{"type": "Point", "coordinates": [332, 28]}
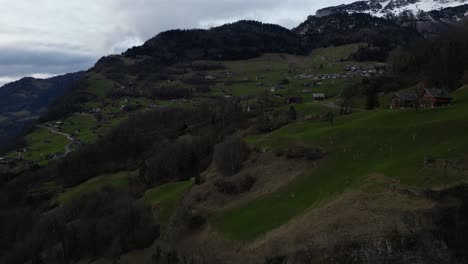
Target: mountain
{"type": "Point", "coordinates": [209, 146]}
{"type": "Point", "coordinates": [23, 101]}
{"type": "Point", "coordinates": [428, 17]}
{"type": "Point", "coordinates": [342, 28]}
{"type": "Point", "coordinates": [385, 8]}
{"type": "Point", "coordinates": [235, 41]}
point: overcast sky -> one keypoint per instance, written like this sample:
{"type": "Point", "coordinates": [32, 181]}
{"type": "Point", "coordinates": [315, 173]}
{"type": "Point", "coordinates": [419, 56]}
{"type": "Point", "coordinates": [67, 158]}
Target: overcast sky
{"type": "Point", "coordinates": [42, 38]}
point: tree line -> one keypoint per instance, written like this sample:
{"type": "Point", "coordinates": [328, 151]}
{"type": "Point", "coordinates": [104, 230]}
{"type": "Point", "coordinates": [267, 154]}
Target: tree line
{"type": "Point", "coordinates": [162, 145]}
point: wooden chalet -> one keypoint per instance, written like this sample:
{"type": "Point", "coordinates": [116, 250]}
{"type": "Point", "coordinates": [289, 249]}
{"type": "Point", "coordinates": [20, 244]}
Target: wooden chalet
{"type": "Point", "coordinates": [404, 100]}
{"type": "Point", "coordinates": [435, 98]}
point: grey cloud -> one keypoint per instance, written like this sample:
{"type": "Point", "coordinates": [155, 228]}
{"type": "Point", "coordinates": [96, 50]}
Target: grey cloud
{"type": "Point", "coordinates": [17, 63]}
{"type": "Point", "coordinates": [56, 36]}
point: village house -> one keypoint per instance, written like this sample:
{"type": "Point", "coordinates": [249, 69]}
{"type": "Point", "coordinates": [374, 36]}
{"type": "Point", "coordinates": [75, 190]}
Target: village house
{"type": "Point", "coordinates": [404, 100]}
{"type": "Point", "coordinates": [295, 100]}
{"type": "Point", "coordinates": [318, 96]}
{"type": "Point", "coordinates": [435, 98]}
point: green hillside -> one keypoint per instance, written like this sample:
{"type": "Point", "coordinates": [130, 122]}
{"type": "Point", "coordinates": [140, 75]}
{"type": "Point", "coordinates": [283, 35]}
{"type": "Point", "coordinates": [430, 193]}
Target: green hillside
{"type": "Point", "coordinates": [165, 198]}
{"type": "Point", "coordinates": [119, 179]}
{"type": "Point", "coordinates": [393, 143]}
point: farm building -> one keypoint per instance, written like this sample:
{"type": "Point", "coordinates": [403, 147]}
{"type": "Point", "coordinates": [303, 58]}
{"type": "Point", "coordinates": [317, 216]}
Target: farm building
{"type": "Point", "coordinates": [435, 97]}
{"type": "Point", "coordinates": [295, 100]}
{"type": "Point", "coordinates": [404, 100]}
{"type": "Point", "coordinates": [318, 96]}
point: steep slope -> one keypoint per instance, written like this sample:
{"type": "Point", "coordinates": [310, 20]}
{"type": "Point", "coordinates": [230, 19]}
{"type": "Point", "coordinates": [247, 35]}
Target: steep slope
{"type": "Point", "coordinates": [23, 101]}
{"type": "Point", "coordinates": [342, 28]}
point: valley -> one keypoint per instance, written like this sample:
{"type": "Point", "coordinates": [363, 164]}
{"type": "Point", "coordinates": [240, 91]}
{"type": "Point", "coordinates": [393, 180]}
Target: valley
{"type": "Point", "coordinates": [340, 141]}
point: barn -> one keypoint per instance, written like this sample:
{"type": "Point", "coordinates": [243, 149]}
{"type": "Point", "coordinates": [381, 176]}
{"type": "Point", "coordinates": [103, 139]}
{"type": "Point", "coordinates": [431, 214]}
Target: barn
{"type": "Point", "coordinates": [404, 100]}
{"type": "Point", "coordinates": [435, 98]}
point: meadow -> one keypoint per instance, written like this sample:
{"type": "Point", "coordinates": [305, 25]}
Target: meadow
{"type": "Point", "coordinates": [395, 144]}
{"type": "Point", "coordinates": [165, 198]}
{"type": "Point", "coordinates": [118, 180]}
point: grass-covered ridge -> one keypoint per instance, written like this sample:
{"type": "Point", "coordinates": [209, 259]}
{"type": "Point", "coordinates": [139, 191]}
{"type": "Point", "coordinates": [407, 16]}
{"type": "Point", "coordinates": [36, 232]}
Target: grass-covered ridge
{"type": "Point", "coordinates": [165, 198]}
{"type": "Point", "coordinates": [119, 180]}
{"type": "Point", "coordinates": [392, 143]}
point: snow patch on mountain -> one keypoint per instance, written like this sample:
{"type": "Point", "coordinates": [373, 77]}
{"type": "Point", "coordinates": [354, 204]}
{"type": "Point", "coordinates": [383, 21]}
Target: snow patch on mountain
{"type": "Point", "coordinates": [384, 8]}
{"type": "Point", "coordinates": [422, 5]}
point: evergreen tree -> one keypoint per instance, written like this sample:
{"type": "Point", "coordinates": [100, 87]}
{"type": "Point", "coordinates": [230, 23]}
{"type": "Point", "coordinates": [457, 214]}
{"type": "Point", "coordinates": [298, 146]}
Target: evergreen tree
{"type": "Point", "coordinates": [292, 114]}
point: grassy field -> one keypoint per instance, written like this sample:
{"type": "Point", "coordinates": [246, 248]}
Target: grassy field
{"type": "Point", "coordinates": [165, 198]}
{"type": "Point", "coordinates": [120, 179]}
{"type": "Point", "coordinates": [270, 69]}
{"type": "Point", "coordinates": [43, 143]}
{"type": "Point", "coordinates": [82, 127]}
{"type": "Point", "coordinates": [99, 85]}
{"type": "Point", "coordinates": [392, 143]}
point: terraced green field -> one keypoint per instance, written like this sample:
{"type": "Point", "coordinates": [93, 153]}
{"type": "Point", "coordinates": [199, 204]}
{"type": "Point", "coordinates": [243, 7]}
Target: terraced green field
{"type": "Point", "coordinates": [392, 143]}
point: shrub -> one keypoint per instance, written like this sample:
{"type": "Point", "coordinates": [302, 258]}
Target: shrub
{"type": "Point", "coordinates": [298, 152]}
{"type": "Point", "coordinates": [235, 185]}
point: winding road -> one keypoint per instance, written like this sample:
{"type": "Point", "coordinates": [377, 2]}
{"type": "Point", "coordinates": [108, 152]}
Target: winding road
{"type": "Point", "coordinates": [68, 136]}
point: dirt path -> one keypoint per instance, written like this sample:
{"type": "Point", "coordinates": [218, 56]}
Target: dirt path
{"type": "Point", "coordinates": [333, 105]}
{"type": "Point", "coordinates": [330, 104]}
{"type": "Point", "coordinates": [68, 136]}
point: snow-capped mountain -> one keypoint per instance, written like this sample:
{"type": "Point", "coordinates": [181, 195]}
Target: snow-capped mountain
{"type": "Point", "coordinates": [428, 17]}
{"type": "Point", "coordinates": [392, 8]}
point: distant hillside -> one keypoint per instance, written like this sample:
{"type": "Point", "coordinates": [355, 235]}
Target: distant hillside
{"type": "Point", "coordinates": [236, 41]}
{"type": "Point", "coordinates": [240, 40]}
{"type": "Point", "coordinates": [23, 101]}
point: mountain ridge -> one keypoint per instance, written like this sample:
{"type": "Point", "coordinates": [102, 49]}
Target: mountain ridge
{"type": "Point", "coordinates": [428, 17]}
{"type": "Point", "coordinates": [388, 8]}
{"type": "Point", "coordinates": [23, 101]}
